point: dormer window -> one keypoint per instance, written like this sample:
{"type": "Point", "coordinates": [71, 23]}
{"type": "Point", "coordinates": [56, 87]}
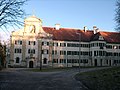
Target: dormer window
{"type": "Point", "coordinates": [115, 47]}
{"type": "Point", "coordinates": [101, 38]}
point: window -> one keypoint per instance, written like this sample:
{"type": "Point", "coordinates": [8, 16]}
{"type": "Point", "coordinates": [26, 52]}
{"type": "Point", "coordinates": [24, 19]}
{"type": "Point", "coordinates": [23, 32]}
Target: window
{"type": "Point", "coordinates": [106, 61]}
{"type": "Point", "coordinates": [116, 54]}
{"type": "Point", "coordinates": [74, 61]}
{"type": "Point", "coordinates": [28, 51]}
{"type": "Point", "coordinates": [42, 51]}
{"type": "Point", "coordinates": [95, 53]}
{"type": "Point", "coordinates": [69, 60]}
{"type": "Point", "coordinates": [72, 45]}
{"type": "Point", "coordinates": [115, 47]}
{"type": "Point", "coordinates": [31, 42]}
{"type": "Point", "coordinates": [54, 52]}
{"type": "Point", "coordinates": [47, 43]}
{"type": "Point", "coordinates": [115, 61]}
{"type": "Point", "coordinates": [63, 44]}
{"type": "Point", "coordinates": [17, 50]}
{"type": "Point", "coordinates": [109, 54]}
{"type": "Point", "coordinates": [18, 42]}
{"type": "Point", "coordinates": [101, 38]}
{"type": "Point", "coordinates": [31, 51]}
{"type": "Point", "coordinates": [69, 53]}
{"type": "Point", "coordinates": [15, 42]}
{"type": "Point", "coordinates": [62, 52]}
{"type": "Point", "coordinates": [17, 59]}
{"type": "Point", "coordinates": [62, 60]}
{"type": "Point", "coordinates": [85, 45]}
{"type": "Point", "coordinates": [84, 61]}
{"type": "Point", "coordinates": [72, 52]}
{"type": "Point", "coordinates": [42, 43]}
{"type": "Point", "coordinates": [101, 45]}
{"type": "Point", "coordinates": [55, 44]}
{"type": "Point", "coordinates": [34, 42]}
{"type": "Point", "coordinates": [109, 46]}
{"type": "Point", "coordinates": [84, 53]}
{"type": "Point", "coordinates": [76, 52]}
{"type": "Point", "coordinates": [100, 53]}
{"type": "Point", "coordinates": [45, 51]}
{"type": "Point", "coordinates": [92, 44]}
{"type": "Point", "coordinates": [55, 60]}
{"type": "Point", "coordinates": [90, 53]}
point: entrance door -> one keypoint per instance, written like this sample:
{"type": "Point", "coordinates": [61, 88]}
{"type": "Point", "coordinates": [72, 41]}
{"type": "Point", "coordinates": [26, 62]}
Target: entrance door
{"type": "Point", "coordinates": [45, 61]}
{"type": "Point", "coordinates": [95, 62]}
{"type": "Point", "coordinates": [31, 64]}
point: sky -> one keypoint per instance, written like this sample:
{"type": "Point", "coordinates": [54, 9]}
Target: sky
{"type": "Point", "coordinates": [74, 13]}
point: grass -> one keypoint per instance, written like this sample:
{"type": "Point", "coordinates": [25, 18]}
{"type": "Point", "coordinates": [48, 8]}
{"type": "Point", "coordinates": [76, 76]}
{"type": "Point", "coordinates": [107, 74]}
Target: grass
{"type": "Point", "coordinates": [49, 69]}
{"type": "Point", "coordinates": [106, 79]}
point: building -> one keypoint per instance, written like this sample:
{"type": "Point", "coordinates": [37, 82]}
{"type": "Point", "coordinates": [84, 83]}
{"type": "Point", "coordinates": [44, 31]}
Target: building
{"type": "Point", "coordinates": [7, 43]}
{"type": "Point", "coordinates": [35, 45]}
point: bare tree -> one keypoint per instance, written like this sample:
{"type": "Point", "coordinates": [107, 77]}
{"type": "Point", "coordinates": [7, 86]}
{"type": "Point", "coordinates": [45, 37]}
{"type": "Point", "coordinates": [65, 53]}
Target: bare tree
{"type": "Point", "coordinates": [11, 13]}
{"type": "Point", "coordinates": [2, 56]}
{"type": "Point", "coordinates": [117, 15]}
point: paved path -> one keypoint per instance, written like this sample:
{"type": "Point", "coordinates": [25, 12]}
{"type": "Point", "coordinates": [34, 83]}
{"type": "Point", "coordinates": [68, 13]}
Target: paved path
{"type": "Point", "coordinates": [13, 79]}
{"type": "Point", "coordinates": [18, 79]}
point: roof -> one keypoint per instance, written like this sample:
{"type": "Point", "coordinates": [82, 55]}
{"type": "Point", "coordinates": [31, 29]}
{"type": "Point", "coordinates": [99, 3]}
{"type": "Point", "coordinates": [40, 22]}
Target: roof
{"type": "Point", "coordinates": [69, 34]}
{"type": "Point", "coordinates": [111, 37]}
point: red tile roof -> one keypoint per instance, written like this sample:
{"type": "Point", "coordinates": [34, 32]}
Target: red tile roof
{"type": "Point", "coordinates": [67, 34]}
{"type": "Point", "coordinates": [111, 37]}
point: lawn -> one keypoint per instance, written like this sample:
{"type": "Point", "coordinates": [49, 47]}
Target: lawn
{"type": "Point", "coordinates": [106, 79]}
{"type": "Point", "coordinates": [49, 69]}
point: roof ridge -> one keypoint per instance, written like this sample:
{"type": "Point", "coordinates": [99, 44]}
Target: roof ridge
{"type": "Point", "coordinates": [62, 27]}
{"type": "Point", "coordinates": [108, 32]}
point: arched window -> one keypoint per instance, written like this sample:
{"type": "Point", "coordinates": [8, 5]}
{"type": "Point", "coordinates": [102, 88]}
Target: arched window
{"type": "Point", "coordinates": [17, 60]}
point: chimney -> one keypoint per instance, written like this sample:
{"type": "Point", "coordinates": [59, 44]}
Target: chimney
{"type": "Point", "coordinates": [85, 28]}
{"type": "Point", "coordinates": [57, 26]}
{"type": "Point", "coordinates": [95, 29]}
